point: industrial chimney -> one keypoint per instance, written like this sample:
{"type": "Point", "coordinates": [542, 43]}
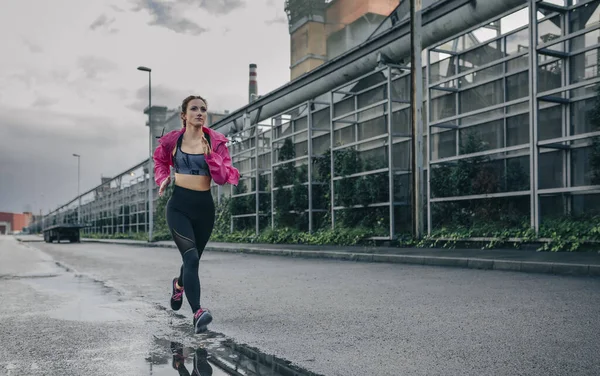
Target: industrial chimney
{"type": "Point", "coordinates": [252, 84]}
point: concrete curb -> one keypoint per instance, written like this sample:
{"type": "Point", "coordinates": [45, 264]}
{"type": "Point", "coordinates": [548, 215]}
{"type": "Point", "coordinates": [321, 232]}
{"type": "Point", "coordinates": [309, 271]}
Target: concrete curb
{"type": "Point", "coordinates": [461, 262]}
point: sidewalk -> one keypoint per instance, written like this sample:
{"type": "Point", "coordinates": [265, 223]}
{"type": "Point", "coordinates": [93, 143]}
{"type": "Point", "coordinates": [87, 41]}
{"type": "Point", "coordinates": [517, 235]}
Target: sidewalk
{"type": "Point", "coordinates": [560, 263]}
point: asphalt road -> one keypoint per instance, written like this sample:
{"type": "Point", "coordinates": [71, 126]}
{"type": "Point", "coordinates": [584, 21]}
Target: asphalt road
{"type": "Point", "coordinates": [56, 322]}
{"type": "Point", "coordinates": [331, 317]}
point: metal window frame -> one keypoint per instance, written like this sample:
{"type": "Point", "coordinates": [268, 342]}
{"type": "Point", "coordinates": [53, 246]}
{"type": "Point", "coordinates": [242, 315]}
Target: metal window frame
{"type": "Point", "coordinates": [248, 132]}
{"type": "Point", "coordinates": [481, 196]}
{"type": "Point", "coordinates": [469, 30]}
{"type": "Point", "coordinates": [568, 37]}
{"type": "Point", "coordinates": [503, 60]}
{"type": "Point", "coordinates": [389, 136]}
{"type": "Point", "coordinates": [479, 111]}
{"type": "Point", "coordinates": [308, 105]}
{"type": "Point", "coordinates": [480, 154]}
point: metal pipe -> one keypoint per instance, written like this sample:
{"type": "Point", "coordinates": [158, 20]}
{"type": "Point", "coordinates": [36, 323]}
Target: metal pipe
{"type": "Point", "coordinates": [440, 21]}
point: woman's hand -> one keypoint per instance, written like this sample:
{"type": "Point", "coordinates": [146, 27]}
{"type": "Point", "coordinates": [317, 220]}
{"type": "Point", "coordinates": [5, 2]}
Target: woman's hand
{"type": "Point", "coordinates": [205, 145]}
{"type": "Point", "coordinates": [164, 185]}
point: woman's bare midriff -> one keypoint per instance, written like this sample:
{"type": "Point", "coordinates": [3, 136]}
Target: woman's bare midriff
{"type": "Point", "coordinates": [193, 182]}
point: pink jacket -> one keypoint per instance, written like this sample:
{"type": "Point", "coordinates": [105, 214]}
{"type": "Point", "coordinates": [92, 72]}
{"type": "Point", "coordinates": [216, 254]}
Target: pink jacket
{"type": "Point", "coordinates": [219, 161]}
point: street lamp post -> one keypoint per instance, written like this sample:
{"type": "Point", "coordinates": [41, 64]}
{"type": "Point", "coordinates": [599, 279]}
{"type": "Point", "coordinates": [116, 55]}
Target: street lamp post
{"type": "Point", "coordinates": [42, 213]}
{"type": "Point", "coordinates": [78, 183]}
{"type": "Point", "coordinates": [150, 164]}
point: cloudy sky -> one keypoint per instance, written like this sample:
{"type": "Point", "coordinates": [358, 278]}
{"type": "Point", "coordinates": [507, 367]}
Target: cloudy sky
{"type": "Point", "coordinates": [69, 84]}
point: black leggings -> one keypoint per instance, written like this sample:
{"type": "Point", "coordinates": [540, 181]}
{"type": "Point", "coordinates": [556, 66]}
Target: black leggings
{"type": "Point", "coordinates": [191, 218]}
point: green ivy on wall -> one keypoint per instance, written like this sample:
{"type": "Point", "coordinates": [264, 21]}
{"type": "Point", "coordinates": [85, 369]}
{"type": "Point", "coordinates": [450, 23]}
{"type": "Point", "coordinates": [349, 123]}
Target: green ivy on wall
{"type": "Point", "coordinates": [498, 218]}
{"type": "Point", "coordinates": [476, 176]}
{"type": "Point", "coordinates": [290, 204]}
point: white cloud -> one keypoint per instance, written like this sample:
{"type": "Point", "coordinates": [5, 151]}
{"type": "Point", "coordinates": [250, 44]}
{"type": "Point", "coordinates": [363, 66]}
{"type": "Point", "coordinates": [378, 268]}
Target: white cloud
{"type": "Point", "coordinates": [71, 81]}
{"type": "Point", "coordinates": [170, 16]}
{"type": "Point", "coordinates": [220, 7]}
{"type": "Point", "coordinates": [103, 21]}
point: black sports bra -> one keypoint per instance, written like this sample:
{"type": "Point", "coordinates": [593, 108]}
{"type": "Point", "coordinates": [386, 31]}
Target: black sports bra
{"type": "Point", "coordinates": [190, 164]}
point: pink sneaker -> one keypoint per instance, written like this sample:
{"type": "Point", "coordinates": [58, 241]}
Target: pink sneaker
{"type": "Point", "coordinates": [176, 296]}
{"type": "Point", "coordinates": [202, 318]}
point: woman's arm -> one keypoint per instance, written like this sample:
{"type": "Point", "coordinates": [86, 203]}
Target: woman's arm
{"type": "Point", "coordinates": [161, 165]}
{"type": "Point", "coordinates": [221, 169]}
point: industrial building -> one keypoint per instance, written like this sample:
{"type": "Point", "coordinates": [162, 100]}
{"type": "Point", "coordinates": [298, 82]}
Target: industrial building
{"type": "Point", "coordinates": [322, 30]}
{"type": "Point", "coordinates": [14, 222]}
{"type": "Point", "coordinates": [509, 95]}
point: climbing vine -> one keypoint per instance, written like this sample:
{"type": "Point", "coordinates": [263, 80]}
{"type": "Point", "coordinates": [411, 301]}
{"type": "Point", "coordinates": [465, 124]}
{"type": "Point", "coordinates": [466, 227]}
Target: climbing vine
{"type": "Point", "coordinates": [476, 176]}
{"type": "Point", "coordinates": [358, 192]}
{"type": "Point", "coordinates": [291, 194]}
{"type": "Point", "coordinates": [506, 221]}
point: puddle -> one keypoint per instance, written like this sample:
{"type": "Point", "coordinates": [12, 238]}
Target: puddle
{"type": "Point", "coordinates": [82, 299]}
{"type": "Point", "coordinates": [180, 360]}
{"type": "Point", "coordinates": [217, 355]}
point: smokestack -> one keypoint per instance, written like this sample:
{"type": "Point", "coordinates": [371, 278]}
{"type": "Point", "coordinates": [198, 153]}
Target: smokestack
{"type": "Point", "coordinates": [252, 84]}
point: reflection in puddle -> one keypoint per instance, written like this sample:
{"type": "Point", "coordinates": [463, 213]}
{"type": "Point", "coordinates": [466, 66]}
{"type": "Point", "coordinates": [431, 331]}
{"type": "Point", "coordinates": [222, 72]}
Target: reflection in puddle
{"type": "Point", "coordinates": [217, 355]}
{"type": "Point", "coordinates": [184, 361]}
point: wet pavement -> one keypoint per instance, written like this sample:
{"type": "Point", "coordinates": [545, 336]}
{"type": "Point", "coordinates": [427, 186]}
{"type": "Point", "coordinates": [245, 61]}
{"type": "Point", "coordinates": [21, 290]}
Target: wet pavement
{"type": "Point", "coordinates": [100, 309]}
{"type": "Point", "coordinates": [56, 321]}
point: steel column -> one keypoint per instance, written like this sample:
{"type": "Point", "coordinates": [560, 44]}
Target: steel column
{"type": "Point", "coordinates": [310, 168]}
{"type": "Point", "coordinates": [272, 155]}
{"type": "Point", "coordinates": [331, 164]}
{"type": "Point", "coordinates": [417, 118]}
{"type": "Point", "coordinates": [257, 177]}
{"type": "Point", "coordinates": [533, 115]}
{"type": "Point", "coordinates": [566, 76]}
{"type": "Point", "coordinates": [390, 141]}
{"type": "Point", "coordinates": [428, 106]}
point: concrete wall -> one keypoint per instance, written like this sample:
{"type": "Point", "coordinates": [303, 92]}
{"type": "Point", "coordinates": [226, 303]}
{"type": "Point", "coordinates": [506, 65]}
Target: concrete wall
{"type": "Point", "coordinates": [341, 13]}
{"type": "Point", "coordinates": [308, 48]}
{"type": "Point", "coordinates": [347, 24]}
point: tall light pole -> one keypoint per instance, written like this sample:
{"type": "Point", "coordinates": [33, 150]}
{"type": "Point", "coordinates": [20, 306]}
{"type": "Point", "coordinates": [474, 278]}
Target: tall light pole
{"type": "Point", "coordinates": [78, 182]}
{"type": "Point", "coordinates": [42, 214]}
{"type": "Point", "coordinates": [150, 164]}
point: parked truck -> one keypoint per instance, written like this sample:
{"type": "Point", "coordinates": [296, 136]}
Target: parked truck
{"type": "Point", "coordinates": [64, 231]}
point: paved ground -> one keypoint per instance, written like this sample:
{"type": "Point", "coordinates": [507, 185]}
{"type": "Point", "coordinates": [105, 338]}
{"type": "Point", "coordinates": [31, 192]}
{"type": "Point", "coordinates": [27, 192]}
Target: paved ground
{"type": "Point", "coordinates": [55, 321]}
{"type": "Point", "coordinates": [346, 318]}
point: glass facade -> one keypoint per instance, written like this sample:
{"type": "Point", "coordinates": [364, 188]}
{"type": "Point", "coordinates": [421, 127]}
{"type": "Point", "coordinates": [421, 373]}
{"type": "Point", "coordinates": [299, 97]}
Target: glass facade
{"type": "Point", "coordinates": [505, 143]}
{"type": "Point", "coordinates": [118, 205]}
{"type": "Point", "coordinates": [508, 123]}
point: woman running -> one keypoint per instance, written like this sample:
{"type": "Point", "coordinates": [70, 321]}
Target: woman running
{"type": "Point", "coordinates": [198, 154]}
